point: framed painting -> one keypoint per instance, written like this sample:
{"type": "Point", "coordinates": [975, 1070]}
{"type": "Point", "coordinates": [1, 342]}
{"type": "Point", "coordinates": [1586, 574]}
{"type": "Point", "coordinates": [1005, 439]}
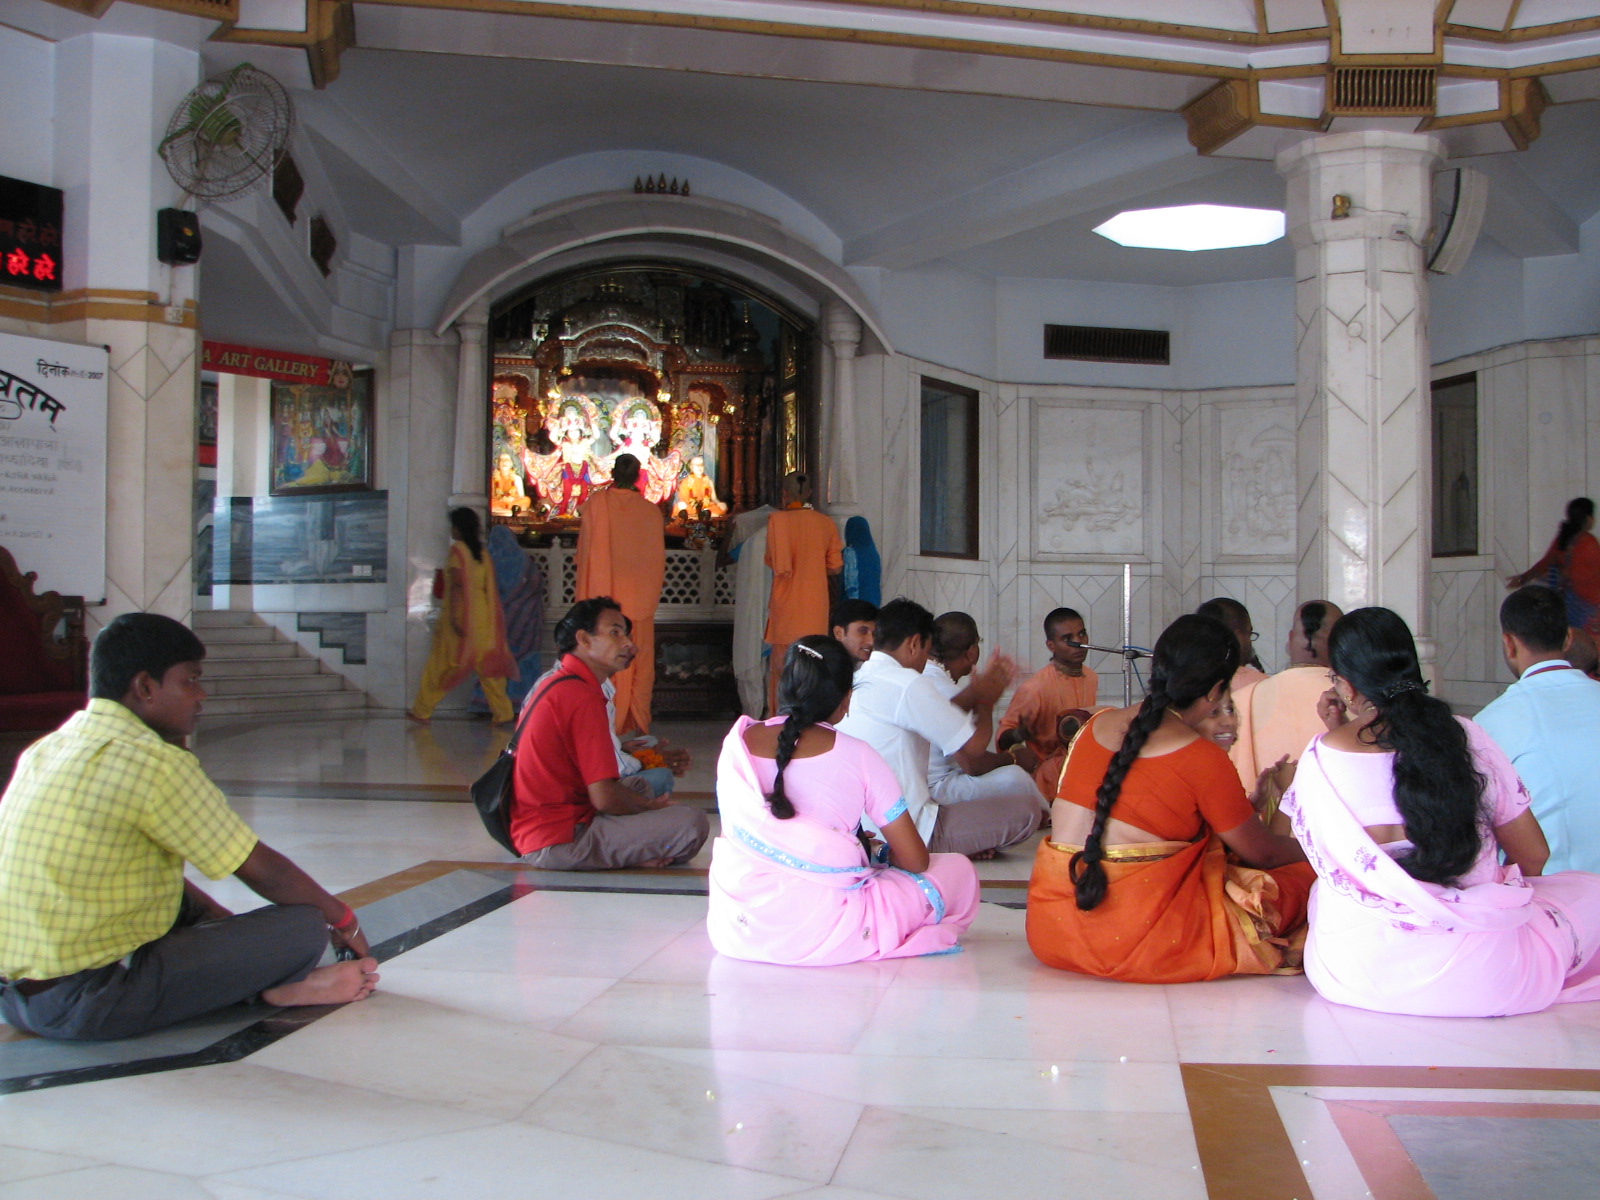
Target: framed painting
{"type": "Point", "coordinates": [322, 437]}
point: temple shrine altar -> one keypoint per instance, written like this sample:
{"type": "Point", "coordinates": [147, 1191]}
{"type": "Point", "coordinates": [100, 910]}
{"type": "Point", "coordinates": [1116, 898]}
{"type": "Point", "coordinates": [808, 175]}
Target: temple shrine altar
{"type": "Point", "coordinates": [661, 365]}
{"type": "Point", "coordinates": [709, 387]}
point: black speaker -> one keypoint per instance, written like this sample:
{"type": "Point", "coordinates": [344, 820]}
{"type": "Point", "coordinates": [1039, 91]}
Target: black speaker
{"type": "Point", "coordinates": [177, 237]}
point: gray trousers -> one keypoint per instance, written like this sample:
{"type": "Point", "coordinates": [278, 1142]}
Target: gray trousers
{"type": "Point", "coordinates": [674, 833]}
{"type": "Point", "coordinates": [988, 823]}
{"type": "Point", "coordinates": [199, 966]}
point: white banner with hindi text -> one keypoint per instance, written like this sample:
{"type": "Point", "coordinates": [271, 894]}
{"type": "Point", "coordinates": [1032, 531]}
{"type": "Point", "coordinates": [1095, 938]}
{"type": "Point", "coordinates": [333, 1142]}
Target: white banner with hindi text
{"type": "Point", "coordinates": [53, 462]}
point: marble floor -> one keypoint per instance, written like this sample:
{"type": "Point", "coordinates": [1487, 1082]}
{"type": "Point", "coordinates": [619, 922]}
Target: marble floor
{"type": "Point", "coordinates": [539, 1034]}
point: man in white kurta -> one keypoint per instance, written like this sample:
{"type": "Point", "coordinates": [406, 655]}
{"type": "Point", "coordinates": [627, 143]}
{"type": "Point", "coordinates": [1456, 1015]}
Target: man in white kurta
{"type": "Point", "coordinates": [896, 710]}
{"type": "Point", "coordinates": [1548, 723]}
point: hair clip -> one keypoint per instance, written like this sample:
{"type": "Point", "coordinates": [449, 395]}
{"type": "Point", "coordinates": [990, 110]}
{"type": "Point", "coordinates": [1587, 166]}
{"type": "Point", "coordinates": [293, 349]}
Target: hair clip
{"type": "Point", "coordinates": [805, 649]}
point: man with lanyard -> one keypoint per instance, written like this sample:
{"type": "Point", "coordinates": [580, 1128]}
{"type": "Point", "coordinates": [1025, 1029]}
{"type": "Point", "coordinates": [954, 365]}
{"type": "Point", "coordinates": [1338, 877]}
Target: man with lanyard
{"type": "Point", "coordinates": [570, 809]}
{"type": "Point", "coordinates": [1546, 722]}
{"type": "Point", "coordinates": [100, 934]}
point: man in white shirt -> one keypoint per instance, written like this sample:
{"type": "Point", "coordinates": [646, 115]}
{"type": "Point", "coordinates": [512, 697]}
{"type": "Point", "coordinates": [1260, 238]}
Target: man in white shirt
{"type": "Point", "coordinates": [897, 710]}
{"type": "Point", "coordinates": [1547, 722]}
{"type": "Point", "coordinates": [987, 774]}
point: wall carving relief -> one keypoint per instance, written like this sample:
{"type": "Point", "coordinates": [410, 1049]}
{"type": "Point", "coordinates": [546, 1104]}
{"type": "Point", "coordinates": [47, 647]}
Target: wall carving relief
{"type": "Point", "coordinates": [1089, 480]}
{"type": "Point", "coordinates": [1256, 452]}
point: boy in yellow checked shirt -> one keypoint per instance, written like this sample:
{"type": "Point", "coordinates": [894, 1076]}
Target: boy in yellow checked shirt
{"type": "Point", "coordinates": [100, 935]}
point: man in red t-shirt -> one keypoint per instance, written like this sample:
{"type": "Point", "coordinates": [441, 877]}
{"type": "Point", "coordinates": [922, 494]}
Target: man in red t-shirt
{"type": "Point", "coordinates": [571, 812]}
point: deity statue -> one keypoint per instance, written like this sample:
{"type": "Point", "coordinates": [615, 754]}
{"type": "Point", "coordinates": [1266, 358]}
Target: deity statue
{"type": "Point", "coordinates": [696, 493]}
{"type": "Point", "coordinates": [635, 430]}
{"type": "Point", "coordinates": [505, 487]}
{"type": "Point", "coordinates": [567, 476]}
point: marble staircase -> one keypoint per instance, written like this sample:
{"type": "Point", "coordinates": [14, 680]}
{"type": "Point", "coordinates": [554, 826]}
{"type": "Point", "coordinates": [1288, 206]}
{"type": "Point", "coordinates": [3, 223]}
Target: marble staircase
{"type": "Point", "coordinates": [252, 669]}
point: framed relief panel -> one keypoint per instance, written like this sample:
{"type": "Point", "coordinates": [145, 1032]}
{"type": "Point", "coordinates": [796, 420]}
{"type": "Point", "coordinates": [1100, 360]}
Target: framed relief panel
{"type": "Point", "coordinates": [1089, 479]}
{"type": "Point", "coordinates": [1253, 477]}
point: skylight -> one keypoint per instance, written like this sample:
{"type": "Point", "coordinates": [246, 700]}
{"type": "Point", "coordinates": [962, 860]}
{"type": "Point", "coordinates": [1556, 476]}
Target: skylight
{"type": "Point", "coordinates": [1194, 227]}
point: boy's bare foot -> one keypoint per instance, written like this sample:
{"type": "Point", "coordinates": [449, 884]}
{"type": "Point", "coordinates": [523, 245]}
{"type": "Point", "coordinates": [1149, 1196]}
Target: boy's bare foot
{"type": "Point", "coordinates": [656, 863]}
{"type": "Point", "coordinates": [983, 855]}
{"type": "Point", "coordinates": [339, 983]}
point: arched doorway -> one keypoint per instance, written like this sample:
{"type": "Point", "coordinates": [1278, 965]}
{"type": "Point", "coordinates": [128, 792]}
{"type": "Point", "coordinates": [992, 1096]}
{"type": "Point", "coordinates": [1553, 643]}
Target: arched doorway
{"type": "Point", "coordinates": [698, 374]}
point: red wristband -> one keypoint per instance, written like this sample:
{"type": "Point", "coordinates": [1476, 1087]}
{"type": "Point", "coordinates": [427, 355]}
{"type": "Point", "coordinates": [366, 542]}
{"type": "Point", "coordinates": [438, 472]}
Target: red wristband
{"type": "Point", "coordinates": [347, 922]}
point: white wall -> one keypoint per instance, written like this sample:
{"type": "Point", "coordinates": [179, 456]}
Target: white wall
{"type": "Point", "coordinates": [27, 79]}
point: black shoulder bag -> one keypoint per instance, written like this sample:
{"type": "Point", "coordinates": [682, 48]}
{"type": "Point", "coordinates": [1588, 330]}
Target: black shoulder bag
{"type": "Point", "coordinates": [493, 793]}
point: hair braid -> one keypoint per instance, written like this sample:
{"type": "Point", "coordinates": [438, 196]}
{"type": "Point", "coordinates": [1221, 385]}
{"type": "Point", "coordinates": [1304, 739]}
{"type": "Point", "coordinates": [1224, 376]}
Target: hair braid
{"type": "Point", "coordinates": [816, 680]}
{"type": "Point", "coordinates": [1086, 868]}
{"type": "Point", "coordinates": [788, 738]}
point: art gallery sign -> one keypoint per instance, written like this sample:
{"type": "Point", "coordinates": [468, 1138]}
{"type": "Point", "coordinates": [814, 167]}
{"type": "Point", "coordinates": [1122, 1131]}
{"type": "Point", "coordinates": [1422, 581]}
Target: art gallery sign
{"type": "Point", "coordinates": [274, 364]}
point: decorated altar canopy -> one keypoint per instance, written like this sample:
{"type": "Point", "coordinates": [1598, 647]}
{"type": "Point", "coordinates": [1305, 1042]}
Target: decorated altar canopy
{"type": "Point", "coordinates": [706, 386]}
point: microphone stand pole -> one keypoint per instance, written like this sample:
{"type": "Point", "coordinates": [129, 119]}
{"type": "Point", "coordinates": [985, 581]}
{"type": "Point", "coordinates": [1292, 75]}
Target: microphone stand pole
{"type": "Point", "coordinates": [1128, 652]}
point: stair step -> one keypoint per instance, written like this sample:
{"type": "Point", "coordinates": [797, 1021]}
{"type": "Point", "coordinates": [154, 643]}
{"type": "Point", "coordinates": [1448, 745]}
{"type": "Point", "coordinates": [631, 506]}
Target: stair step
{"type": "Point", "coordinates": [235, 635]}
{"type": "Point", "coordinates": [230, 651]}
{"type": "Point", "coordinates": [223, 618]}
{"type": "Point", "coordinates": [240, 668]}
{"type": "Point", "coordinates": [297, 702]}
{"type": "Point", "coordinates": [263, 685]}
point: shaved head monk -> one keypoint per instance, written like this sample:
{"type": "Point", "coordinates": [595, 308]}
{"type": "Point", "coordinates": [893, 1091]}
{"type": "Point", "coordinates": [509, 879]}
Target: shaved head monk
{"type": "Point", "coordinates": [622, 553]}
{"type": "Point", "coordinates": [804, 550]}
{"type": "Point", "coordinates": [1278, 715]}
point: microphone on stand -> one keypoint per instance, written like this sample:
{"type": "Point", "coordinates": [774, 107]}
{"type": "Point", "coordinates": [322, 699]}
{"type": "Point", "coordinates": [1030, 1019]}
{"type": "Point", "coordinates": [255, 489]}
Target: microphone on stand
{"type": "Point", "coordinates": [1128, 652]}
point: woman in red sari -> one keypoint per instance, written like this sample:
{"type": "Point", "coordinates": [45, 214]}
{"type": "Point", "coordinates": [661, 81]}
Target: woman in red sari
{"type": "Point", "coordinates": [1572, 567]}
{"type": "Point", "coordinates": [1160, 870]}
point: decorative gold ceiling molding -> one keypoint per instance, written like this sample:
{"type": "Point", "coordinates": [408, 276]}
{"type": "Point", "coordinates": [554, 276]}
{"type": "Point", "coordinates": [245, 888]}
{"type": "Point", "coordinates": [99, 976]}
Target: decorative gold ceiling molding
{"type": "Point", "coordinates": [1233, 107]}
{"type": "Point", "coordinates": [570, 12]}
{"type": "Point", "coordinates": [1529, 33]}
{"type": "Point", "coordinates": [89, 8]}
{"type": "Point", "coordinates": [330, 31]}
{"type": "Point", "coordinates": [1047, 16]}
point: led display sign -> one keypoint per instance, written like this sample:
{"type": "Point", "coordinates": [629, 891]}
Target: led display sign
{"type": "Point", "coordinates": [30, 235]}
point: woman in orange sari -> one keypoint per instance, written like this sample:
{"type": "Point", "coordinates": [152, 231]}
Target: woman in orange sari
{"type": "Point", "coordinates": [471, 634]}
{"type": "Point", "coordinates": [1159, 869]}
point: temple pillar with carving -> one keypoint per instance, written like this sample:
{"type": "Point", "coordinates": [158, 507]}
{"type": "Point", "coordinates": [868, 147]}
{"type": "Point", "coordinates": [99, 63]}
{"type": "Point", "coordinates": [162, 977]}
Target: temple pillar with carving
{"type": "Point", "coordinates": [469, 464]}
{"type": "Point", "coordinates": [1362, 388]}
{"type": "Point", "coordinates": [841, 327]}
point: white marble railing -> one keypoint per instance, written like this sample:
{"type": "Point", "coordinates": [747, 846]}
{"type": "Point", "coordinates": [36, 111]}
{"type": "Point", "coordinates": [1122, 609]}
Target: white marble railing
{"type": "Point", "coordinates": [693, 590]}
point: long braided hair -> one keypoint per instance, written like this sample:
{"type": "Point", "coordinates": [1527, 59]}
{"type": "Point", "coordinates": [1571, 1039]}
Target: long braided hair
{"type": "Point", "coordinates": [816, 678]}
{"type": "Point", "coordinates": [1437, 789]}
{"type": "Point", "coordinates": [1192, 656]}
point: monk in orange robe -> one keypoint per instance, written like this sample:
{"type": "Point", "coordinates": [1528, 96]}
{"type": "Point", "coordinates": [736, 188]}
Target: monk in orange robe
{"type": "Point", "coordinates": [804, 550]}
{"type": "Point", "coordinates": [1237, 618]}
{"type": "Point", "coordinates": [622, 553]}
{"type": "Point", "coordinates": [1278, 715]}
{"type": "Point", "coordinates": [1063, 686]}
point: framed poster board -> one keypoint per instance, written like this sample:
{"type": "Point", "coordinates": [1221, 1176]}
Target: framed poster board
{"type": "Point", "coordinates": [53, 405]}
{"type": "Point", "coordinates": [322, 437]}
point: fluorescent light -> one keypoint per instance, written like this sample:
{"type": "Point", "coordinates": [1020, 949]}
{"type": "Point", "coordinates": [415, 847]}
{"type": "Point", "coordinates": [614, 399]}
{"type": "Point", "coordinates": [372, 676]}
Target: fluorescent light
{"type": "Point", "coordinates": [1194, 227]}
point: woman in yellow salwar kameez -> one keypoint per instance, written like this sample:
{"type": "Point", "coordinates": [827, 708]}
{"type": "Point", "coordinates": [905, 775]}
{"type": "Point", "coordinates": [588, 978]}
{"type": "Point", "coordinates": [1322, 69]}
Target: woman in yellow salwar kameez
{"type": "Point", "coordinates": [471, 634]}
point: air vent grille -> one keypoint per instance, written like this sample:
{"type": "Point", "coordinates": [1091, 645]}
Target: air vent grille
{"type": "Point", "coordinates": [1382, 91]}
{"type": "Point", "coordinates": [1094, 343]}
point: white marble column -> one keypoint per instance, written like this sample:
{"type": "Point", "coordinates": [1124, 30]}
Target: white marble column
{"type": "Point", "coordinates": [113, 97]}
{"type": "Point", "coordinates": [1364, 532]}
{"type": "Point", "coordinates": [842, 329]}
{"type": "Point", "coordinates": [469, 473]}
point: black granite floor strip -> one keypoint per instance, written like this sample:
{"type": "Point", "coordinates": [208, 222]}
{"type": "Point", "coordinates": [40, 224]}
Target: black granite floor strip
{"type": "Point", "coordinates": [276, 1024]}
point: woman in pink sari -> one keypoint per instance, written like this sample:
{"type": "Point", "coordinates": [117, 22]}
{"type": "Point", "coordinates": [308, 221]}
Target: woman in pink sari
{"type": "Point", "coordinates": [790, 881]}
{"type": "Point", "coordinates": [1404, 810]}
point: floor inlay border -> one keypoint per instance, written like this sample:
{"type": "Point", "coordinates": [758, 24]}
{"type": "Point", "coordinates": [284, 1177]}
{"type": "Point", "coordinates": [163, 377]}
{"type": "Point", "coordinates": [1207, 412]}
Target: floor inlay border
{"type": "Point", "coordinates": [1247, 1154]}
